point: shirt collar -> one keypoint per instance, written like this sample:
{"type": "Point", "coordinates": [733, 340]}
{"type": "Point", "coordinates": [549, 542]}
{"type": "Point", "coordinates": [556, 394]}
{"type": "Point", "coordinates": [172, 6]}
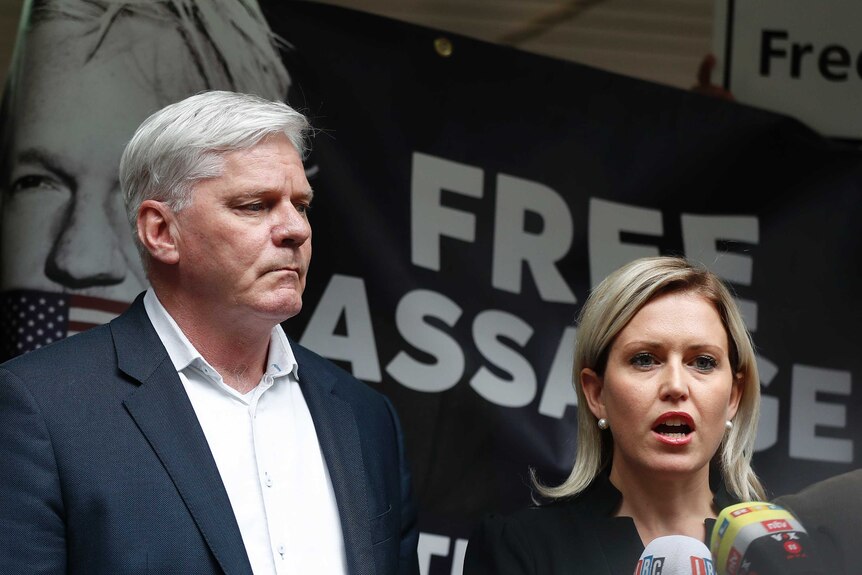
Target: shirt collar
{"type": "Point", "coordinates": [280, 360]}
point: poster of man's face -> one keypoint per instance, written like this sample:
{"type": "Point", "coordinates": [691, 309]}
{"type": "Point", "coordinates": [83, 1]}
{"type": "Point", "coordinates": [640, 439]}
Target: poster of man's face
{"type": "Point", "coordinates": [85, 75]}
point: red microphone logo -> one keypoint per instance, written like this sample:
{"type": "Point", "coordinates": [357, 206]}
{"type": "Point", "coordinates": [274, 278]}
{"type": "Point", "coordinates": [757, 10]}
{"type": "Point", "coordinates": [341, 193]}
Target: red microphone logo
{"type": "Point", "coordinates": [774, 525]}
{"type": "Point", "coordinates": [793, 547]}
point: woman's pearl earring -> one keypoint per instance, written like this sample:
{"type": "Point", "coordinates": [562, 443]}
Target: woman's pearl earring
{"type": "Point", "coordinates": [603, 423]}
{"type": "Point", "coordinates": [728, 425]}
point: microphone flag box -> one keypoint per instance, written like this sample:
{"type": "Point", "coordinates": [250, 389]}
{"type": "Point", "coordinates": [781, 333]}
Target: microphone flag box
{"type": "Point", "coordinates": [763, 538]}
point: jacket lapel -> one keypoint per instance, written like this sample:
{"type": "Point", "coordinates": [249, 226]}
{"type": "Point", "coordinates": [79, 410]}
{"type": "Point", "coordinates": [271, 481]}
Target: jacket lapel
{"type": "Point", "coordinates": [338, 435]}
{"type": "Point", "coordinates": [165, 416]}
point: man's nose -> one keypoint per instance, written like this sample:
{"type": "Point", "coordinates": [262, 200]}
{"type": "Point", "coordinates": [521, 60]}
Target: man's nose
{"type": "Point", "coordinates": [291, 226]}
{"type": "Point", "coordinates": [86, 251]}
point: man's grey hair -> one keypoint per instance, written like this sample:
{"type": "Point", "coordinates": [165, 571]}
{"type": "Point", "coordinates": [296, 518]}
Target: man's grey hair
{"type": "Point", "coordinates": [185, 142]}
{"type": "Point", "coordinates": [229, 41]}
{"type": "Point", "coordinates": [230, 47]}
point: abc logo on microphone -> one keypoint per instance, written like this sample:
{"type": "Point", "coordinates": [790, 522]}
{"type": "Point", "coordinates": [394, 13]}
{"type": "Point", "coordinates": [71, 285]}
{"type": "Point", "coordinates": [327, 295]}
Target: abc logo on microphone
{"type": "Point", "coordinates": [675, 555]}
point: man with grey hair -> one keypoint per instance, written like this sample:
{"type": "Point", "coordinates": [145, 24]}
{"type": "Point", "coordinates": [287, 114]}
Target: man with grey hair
{"type": "Point", "coordinates": [84, 75]}
{"type": "Point", "coordinates": [190, 435]}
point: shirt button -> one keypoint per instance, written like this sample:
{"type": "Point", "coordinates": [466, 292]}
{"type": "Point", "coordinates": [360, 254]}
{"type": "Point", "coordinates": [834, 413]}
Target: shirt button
{"type": "Point", "coordinates": [268, 480]}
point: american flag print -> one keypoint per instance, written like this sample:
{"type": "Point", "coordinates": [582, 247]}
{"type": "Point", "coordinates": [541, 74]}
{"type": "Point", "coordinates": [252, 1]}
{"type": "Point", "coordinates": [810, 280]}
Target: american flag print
{"type": "Point", "coordinates": [32, 319]}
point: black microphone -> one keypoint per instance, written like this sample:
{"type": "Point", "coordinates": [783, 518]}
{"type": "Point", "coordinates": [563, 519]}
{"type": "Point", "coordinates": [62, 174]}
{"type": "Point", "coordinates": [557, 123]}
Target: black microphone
{"type": "Point", "coordinates": [675, 555]}
{"type": "Point", "coordinates": [759, 538]}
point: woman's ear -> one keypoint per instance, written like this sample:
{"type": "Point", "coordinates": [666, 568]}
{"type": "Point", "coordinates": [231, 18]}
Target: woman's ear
{"type": "Point", "coordinates": [592, 385]}
{"type": "Point", "coordinates": [156, 231]}
{"type": "Point", "coordinates": [736, 392]}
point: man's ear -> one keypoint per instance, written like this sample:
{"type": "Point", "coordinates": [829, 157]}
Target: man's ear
{"type": "Point", "coordinates": [592, 384]}
{"type": "Point", "coordinates": [157, 231]}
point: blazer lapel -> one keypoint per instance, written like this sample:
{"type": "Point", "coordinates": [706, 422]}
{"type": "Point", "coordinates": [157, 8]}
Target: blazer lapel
{"type": "Point", "coordinates": [164, 414]}
{"type": "Point", "coordinates": [338, 434]}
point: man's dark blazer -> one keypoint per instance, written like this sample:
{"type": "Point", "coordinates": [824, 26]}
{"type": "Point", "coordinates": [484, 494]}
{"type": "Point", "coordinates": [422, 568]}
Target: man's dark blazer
{"type": "Point", "coordinates": [831, 512]}
{"type": "Point", "coordinates": [105, 469]}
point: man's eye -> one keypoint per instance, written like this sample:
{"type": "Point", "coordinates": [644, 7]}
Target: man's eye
{"type": "Point", "coordinates": [642, 360]}
{"type": "Point", "coordinates": [255, 207]}
{"type": "Point", "coordinates": [36, 183]}
{"type": "Point", "coordinates": [705, 363]}
{"type": "Point", "coordinates": [303, 208]}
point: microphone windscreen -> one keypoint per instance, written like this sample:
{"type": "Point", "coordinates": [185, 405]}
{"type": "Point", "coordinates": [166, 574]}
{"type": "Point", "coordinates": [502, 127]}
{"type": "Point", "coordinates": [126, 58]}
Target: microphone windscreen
{"type": "Point", "coordinates": [762, 538]}
{"type": "Point", "coordinates": [675, 555]}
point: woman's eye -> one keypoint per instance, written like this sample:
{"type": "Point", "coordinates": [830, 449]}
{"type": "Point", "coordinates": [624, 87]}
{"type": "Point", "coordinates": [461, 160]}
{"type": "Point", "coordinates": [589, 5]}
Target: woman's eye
{"type": "Point", "coordinates": [705, 363]}
{"type": "Point", "coordinates": [643, 360]}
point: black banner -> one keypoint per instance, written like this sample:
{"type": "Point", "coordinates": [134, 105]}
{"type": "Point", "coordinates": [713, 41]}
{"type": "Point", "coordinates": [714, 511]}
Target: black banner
{"type": "Point", "coordinates": [466, 203]}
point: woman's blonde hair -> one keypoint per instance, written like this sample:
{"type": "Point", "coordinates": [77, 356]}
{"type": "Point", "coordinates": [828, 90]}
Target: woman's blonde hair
{"type": "Point", "coordinates": [608, 309]}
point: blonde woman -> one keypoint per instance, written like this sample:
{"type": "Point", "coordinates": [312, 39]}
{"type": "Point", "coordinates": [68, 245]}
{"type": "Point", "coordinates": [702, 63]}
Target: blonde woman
{"type": "Point", "coordinates": [668, 401]}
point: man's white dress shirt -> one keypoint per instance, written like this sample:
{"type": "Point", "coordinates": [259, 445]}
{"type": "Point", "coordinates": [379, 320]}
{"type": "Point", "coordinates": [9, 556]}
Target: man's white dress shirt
{"type": "Point", "coordinates": [267, 453]}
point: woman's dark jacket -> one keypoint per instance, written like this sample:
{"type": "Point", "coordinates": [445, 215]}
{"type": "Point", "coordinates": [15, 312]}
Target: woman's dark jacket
{"type": "Point", "coordinates": [577, 535]}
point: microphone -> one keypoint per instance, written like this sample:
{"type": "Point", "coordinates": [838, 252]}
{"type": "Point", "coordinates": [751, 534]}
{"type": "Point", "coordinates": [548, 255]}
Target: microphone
{"type": "Point", "coordinates": [759, 538]}
{"type": "Point", "coordinates": [675, 555]}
